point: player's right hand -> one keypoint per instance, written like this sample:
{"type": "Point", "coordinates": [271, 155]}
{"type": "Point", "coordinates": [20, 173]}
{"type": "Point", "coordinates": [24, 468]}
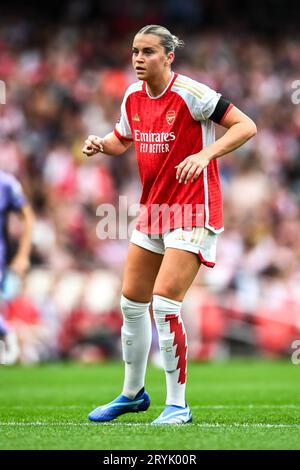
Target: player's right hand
{"type": "Point", "coordinates": [92, 145]}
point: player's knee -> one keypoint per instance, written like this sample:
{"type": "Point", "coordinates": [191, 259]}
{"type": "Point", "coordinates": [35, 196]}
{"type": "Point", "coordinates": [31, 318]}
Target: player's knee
{"type": "Point", "coordinates": [136, 293]}
{"type": "Point", "coordinates": [169, 286]}
{"type": "Point", "coordinates": [169, 291]}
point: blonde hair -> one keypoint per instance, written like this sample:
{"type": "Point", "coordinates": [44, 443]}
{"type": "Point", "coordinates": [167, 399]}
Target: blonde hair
{"type": "Point", "coordinates": [167, 40]}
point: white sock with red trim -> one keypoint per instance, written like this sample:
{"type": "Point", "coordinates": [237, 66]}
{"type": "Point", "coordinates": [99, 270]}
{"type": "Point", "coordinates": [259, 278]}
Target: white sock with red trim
{"type": "Point", "coordinates": [173, 347]}
{"type": "Point", "coordinates": [136, 337]}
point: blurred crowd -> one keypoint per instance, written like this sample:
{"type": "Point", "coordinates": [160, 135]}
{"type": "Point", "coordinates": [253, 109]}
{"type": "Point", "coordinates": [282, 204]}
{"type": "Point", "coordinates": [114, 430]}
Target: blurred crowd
{"type": "Point", "coordinates": [66, 82]}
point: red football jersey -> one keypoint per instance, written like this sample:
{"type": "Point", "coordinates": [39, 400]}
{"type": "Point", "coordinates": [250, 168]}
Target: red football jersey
{"type": "Point", "coordinates": [165, 130]}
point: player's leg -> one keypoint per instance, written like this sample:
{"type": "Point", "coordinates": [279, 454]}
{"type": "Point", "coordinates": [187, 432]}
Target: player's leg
{"type": "Point", "coordinates": [185, 249]}
{"type": "Point", "coordinates": [140, 272]}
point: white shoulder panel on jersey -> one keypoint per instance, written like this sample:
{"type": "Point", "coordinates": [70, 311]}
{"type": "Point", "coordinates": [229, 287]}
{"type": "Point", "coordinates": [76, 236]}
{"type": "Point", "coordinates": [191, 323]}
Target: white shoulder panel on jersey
{"type": "Point", "coordinates": [199, 98]}
{"type": "Point", "coordinates": [136, 86]}
{"type": "Point", "coordinates": [122, 125]}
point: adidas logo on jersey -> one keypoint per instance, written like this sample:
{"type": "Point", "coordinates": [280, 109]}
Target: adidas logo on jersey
{"type": "Point", "coordinates": [136, 117]}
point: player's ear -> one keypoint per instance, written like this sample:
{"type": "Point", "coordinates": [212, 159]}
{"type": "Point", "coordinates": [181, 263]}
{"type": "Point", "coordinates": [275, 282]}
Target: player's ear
{"type": "Point", "coordinates": [170, 58]}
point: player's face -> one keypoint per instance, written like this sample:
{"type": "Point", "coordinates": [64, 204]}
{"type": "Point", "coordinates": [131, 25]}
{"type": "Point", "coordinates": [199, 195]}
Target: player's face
{"type": "Point", "coordinates": [149, 58]}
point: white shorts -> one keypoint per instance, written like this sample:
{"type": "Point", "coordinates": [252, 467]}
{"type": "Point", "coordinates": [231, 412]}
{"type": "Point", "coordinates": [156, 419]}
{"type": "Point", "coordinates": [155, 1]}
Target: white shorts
{"type": "Point", "coordinates": [198, 240]}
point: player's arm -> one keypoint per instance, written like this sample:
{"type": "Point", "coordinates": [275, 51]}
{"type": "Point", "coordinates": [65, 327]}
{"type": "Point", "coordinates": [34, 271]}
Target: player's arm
{"type": "Point", "coordinates": [240, 128]}
{"type": "Point", "coordinates": [110, 144]}
{"type": "Point", "coordinates": [21, 260]}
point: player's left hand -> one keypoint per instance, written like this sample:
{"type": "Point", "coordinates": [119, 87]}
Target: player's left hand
{"type": "Point", "coordinates": [192, 166]}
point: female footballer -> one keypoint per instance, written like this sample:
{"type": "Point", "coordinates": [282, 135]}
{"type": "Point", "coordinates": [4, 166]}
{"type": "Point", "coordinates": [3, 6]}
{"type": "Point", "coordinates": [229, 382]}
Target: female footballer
{"type": "Point", "coordinates": [170, 119]}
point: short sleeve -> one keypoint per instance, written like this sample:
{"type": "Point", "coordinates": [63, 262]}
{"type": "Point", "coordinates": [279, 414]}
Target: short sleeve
{"type": "Point", "coordinates": [200, 99]}
{"type": "Point", "coordinates": [206, 102]}
{"type": "Point", "coordinates": [122, 128]}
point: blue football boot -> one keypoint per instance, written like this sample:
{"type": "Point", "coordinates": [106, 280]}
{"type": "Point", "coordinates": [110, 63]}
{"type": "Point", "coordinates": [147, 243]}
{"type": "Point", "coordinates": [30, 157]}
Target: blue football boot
{"type": "Point", "coordinates": [119, 406]}
{"type": "Point", "coordinates": [173, 414]}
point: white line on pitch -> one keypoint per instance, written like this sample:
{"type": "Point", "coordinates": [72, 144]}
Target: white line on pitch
{"type": "Point", "coordinates": [200, 425]}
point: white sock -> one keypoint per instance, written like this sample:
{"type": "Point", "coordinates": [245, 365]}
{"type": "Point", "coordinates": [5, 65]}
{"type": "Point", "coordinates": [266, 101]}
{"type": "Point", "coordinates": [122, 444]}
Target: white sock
{"type": "Point", "coordinates": [136, 342]}
{"type": "Point", "coordinates": [173, 347]}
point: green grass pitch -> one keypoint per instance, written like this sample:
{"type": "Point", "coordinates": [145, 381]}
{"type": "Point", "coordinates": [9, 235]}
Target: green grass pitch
{"type": "Point", "coordinates": [235, 405]}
